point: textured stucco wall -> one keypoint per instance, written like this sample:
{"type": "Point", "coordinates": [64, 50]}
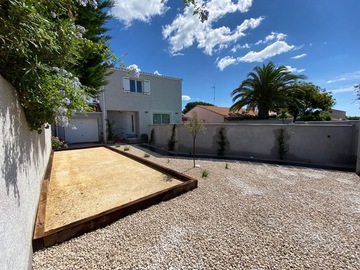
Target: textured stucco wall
{"type": "Point", "coordinates": [23, 157]}
{"type": "Point", "coordinates": [325, 145]}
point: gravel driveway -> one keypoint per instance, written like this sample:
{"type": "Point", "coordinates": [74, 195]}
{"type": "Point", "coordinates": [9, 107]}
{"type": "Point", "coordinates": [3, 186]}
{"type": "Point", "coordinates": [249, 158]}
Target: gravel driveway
{"type": "Point", "coordinates": [249, 216]}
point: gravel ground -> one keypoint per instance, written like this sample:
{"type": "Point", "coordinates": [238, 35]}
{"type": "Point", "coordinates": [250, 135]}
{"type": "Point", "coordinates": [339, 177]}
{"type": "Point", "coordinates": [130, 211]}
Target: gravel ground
{"type": "Point", "coordinates": [249, 216]}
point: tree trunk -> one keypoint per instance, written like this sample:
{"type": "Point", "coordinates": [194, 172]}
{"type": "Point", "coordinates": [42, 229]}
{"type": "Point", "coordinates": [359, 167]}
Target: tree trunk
{"type": "Point", "coordinates": [263, 111]}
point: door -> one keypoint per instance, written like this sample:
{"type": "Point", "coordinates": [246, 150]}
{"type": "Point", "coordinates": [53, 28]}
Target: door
{"type": "Point", "coordinates": [86, 131]}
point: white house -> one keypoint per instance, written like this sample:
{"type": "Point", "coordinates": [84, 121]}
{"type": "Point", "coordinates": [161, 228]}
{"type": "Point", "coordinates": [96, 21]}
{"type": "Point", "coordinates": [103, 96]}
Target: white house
{"type": "Point", "coordinates": [129, 104]}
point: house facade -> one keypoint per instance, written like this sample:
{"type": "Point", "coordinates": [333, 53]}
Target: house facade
{"type": "Point", "coordinates": [127, 106]}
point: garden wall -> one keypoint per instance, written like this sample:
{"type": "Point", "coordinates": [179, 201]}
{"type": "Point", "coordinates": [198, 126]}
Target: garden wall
{"type": "Point", "coordinates": [334, 145]}
{"type": "Point", "coordinates": [23, 157]}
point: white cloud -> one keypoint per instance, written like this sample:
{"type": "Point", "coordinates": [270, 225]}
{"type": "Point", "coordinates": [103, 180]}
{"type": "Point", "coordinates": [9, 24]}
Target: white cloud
{"type": "Point", "coordinates": [238, 46]}
{"type": "Point", "coordinates": [185, 98]}
{"type": "Point", "coordinates": [299, 56]}
{"type": "Point", "coordinates": [346, 77]}
{"type": "Point", "coordinates": [157, 73]}
{"type": "Point", "coordinates": [344, 89]}
{"type": "Point", "coordinates": [187, 29]}
{"type": "Point", "coordinates": [271, 37]}
{"type": "Point", "coordinates": [278, 47]}
{"type": "Point", "coordinates": [141, 10]}
{"type": "Point", "coordinates": [273, 49]}
{"type": "Point", "coordinates": [292, 69]}
{"type": "Point", "coordinates": [226, 61]}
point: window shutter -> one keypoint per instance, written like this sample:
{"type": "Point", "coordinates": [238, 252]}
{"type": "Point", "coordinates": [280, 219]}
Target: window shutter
{"type": "Point", "coordinates": [147, 88]}
{"type": "Point", "coordinates": [126, 84]}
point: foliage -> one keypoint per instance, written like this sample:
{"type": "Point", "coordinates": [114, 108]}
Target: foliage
{"type": "Point", "coordinates": [310, 101]}
{"type": "Point", "coordinates": [189, 106]}
{"type": "Point", "coordinates": [283, 149]}
{"type": "Point", "coordinates": [283, 114]}
{"type": "Point", "coordinates": [126, 148]}
{"type": "Point", "coordinates": [110, 129]}
{"type": "Point", "coordinates": [222, 142]}
{"type": "Point", "coordinates": [227, 166]}
{"type": "Point", "coordinates": [172, 141]}
{"type": "Point", "coordinates": [195, 125]}
{"type": "Point", "coordinates": [357, 88]}
{"type": "Point", "coordinates": [205, 173]}
{"type": "Point", "coordinates": [266, 88]}
{"type": "Point", "coordinates": [41, 48]}
{"type": "Point", "coordinates": [152, 136]}
{"type": "Point", "coordinates": [353, 117]}
{"type": "Point", "coordinates": [144, 138]}
{"type": "Point", "coordinates": [247, 117]}
{"type": "Point", "coordinates": [95, 56]}
{"type": "Point", "coordinates": [198, 10]}
{"type": "Point", "coordinates": [147, 155]}
{"type": "Point", "coordinates": [56, 143]}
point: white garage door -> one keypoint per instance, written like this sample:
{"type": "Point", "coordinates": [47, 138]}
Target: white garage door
{"type": "Point", "coordinates": [86, 131]}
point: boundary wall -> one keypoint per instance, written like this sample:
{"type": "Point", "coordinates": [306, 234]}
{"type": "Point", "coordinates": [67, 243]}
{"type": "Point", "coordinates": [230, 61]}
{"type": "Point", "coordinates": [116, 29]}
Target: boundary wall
{"type": "Point", "coordinates": [332, 144]}
{"type": "Point", "coordinates": [24, 157]}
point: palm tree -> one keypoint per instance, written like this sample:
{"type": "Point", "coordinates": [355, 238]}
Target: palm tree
{"type": "Point", "coordinates": [266, 88]}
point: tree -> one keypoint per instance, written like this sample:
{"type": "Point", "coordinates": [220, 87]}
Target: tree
{"type": "Point", "coordinates": [195, 125]}
{"type": "Point", "coordinates": [95, 55]}
{"type": "Point", "coordinates": [266, 88]}
{"type": "Point", "coordinates": [308, 101]}
{"type": "Point", "coordinates": [41, 46]}
{"type": "Point", "coordinates": [191, 105]}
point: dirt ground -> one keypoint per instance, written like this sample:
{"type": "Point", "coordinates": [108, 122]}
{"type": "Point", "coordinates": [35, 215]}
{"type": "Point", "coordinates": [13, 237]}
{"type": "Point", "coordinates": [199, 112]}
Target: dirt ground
{"type": "Point", "coordinates": [85, 182]}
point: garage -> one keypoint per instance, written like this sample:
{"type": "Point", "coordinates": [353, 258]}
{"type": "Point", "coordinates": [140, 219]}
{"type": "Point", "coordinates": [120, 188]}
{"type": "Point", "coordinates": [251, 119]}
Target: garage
{"type": "Point", "coordinates": [86, 131]}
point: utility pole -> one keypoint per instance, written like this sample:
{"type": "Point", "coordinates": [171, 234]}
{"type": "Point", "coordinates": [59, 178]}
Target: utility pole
{"type": "Point", "coordinates": [214, 93]}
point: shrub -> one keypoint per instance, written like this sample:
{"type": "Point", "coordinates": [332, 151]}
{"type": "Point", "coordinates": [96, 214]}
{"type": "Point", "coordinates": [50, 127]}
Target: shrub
{"type": "Point", "coordinates": [56, 143]}
{"type": "Point", "coordinates": [144, 138]}
{"type": "Point", "coordinates": [205, 173]}
{"type": "Point", "coordinates": [172, 141]}
{"type": "Point", "coordinates": [222, 142]}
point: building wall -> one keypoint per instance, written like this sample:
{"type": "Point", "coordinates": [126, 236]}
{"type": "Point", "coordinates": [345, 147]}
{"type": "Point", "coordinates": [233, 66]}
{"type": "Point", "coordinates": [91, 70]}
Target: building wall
{"type": "Point", "coordinates": [60, 131]}
{"type": "Point", "coordinates": [165, 97]}
{"type": "Point", "coordinates": [326, 145]}
{"type": "Point", "coordinates": [206, 115]}
{"type": "Point", "coordinates": [23, 157]}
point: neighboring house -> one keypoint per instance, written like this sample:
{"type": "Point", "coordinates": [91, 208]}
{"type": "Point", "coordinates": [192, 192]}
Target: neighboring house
{"type": "Point", "coordinates": [337, 114]}
{"type": "Point", "coordinates": [129, 104]}
{"type": "Point", "coordinates": [213, 114]}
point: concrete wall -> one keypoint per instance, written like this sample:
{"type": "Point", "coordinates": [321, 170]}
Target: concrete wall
{"type": "Point", "coordinates": [23, 157]}
{"type": "Point", "coordinates": [165, 97]}
{"type": "Point", "coordinates": [325, 145]}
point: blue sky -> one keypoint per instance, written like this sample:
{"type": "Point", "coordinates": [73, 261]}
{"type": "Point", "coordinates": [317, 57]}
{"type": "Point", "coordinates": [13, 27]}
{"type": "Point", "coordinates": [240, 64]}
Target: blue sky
{"type": "Point", "coordinates": [317, 38]}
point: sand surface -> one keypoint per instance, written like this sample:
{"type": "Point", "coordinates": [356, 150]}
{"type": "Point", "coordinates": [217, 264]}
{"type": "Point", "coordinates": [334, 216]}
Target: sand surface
{"type": "Point", "coordinates": [86, 182]}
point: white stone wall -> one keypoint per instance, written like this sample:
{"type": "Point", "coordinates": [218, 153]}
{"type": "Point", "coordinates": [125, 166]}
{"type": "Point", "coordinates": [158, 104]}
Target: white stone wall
{"type": "Point", "coordinates": [23, 157]}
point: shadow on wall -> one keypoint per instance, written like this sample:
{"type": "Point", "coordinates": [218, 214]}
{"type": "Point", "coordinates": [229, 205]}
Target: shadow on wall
{"type": "Point", "coordinates": [20, 147]}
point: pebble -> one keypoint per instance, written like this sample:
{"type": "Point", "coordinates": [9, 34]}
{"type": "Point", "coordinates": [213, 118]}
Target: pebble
{"type": "Point", "coordinates": [249, 216]}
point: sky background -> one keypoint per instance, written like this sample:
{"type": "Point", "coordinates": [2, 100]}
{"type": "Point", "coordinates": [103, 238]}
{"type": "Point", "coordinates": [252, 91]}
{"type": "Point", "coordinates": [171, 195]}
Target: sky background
{"type": "Point", "coordinates": [317, 38]}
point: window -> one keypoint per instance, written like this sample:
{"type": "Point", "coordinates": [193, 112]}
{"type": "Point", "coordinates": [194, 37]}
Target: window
{"type": "Point", "coordinates": [161, 118]}
{"type": "Point", "coordinates": [136, 86]}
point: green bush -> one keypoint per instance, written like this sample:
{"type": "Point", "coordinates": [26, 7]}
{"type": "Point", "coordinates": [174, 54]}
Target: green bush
{"type": "Point", "coordinates": [56, 143]}
{"type": "Point", "coordinates": [205, 173]}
